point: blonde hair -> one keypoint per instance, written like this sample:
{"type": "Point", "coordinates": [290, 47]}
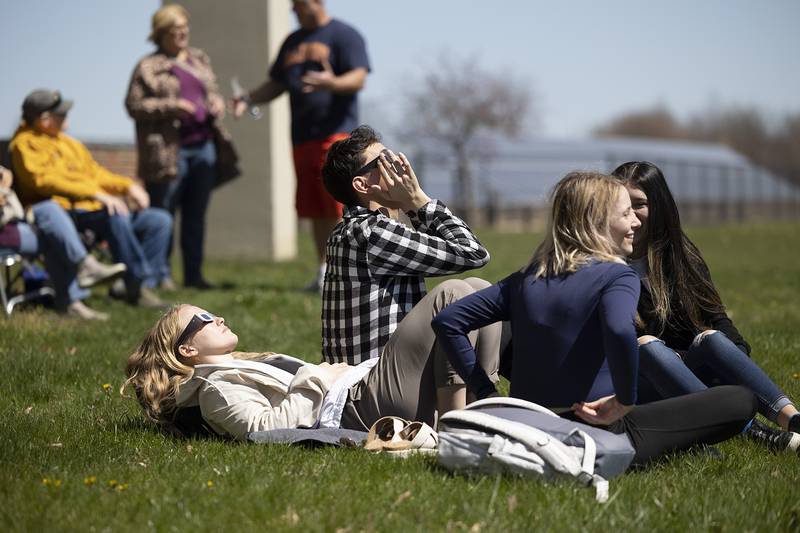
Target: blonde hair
{"type": "Point", "coordinates": [154, 371]}
{"type": "Point", "coordinates": [578, 227]}
{"type": "Point", "coordinates": [163, 19]}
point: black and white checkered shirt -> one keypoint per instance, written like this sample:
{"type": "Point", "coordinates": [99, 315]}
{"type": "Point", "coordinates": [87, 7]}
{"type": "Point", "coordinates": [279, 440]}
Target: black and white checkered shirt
{"type": "Point", "coordinates": [376, 269]}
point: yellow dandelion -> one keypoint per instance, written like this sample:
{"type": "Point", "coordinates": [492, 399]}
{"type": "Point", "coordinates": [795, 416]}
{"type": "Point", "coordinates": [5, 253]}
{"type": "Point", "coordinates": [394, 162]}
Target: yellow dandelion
{"type": "Point", "coordinates": [47, 481]}
{"type": "Point", "coordinates": [56, 483]}
{"type": "Point", "coordinates": [209, 484]}
{"type": "Point", "coordinates": [796, 375]}
{"type": "Point", "coordinates": [112, 483]}
{"type": "Point", "coordinates": [121, 486]}
{"type": "Point", "coordinates": [90, 480]}
{"type": "Point", "coordinates": [106, 387]}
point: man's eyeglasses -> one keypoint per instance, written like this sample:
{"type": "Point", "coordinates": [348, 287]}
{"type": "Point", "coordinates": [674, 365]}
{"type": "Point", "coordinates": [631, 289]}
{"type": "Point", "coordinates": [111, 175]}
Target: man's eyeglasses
{"type": "Point", "coordinates": [195, 324]}
{"type": "Point", "coordinates": [372, 165]}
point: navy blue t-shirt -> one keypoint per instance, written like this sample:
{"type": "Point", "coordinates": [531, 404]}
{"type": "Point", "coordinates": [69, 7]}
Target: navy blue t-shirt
{"type": "Point", "coordinates": [563, 331]}
{"type": "Point", "coordinates": [317, 115]}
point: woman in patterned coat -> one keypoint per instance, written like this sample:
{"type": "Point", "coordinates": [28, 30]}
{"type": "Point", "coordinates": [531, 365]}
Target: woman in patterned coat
{"type": "Point", "coordinates": [183, 150]}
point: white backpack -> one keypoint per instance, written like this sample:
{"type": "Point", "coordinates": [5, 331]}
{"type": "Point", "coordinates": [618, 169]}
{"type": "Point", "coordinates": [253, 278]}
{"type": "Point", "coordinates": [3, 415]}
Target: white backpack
{"type": "Point", "coordinates": [508, 435]}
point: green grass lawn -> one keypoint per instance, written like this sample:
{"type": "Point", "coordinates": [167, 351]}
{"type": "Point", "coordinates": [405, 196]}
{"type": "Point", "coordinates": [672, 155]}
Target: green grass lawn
{"type": "Point", "coordinates": [75, 455]}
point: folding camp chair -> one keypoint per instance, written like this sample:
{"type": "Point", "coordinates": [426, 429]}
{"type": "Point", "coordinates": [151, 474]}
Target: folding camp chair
{"type": "Point", "coordinates": [13, 265]}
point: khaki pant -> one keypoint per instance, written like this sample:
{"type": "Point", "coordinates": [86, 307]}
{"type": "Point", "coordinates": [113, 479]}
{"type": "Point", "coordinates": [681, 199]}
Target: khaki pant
{"type": "Point", "coordinates": [412, 365]}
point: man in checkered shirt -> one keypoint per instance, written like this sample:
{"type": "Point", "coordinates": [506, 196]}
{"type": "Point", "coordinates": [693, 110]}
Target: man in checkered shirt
{"type": "Point", "coordinates": [376, 264]}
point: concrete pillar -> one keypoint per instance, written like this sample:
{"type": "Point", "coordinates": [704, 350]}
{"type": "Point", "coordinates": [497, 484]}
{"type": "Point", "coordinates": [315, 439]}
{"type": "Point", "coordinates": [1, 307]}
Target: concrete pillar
{"type": "Point", "coordinates": [253, 216]}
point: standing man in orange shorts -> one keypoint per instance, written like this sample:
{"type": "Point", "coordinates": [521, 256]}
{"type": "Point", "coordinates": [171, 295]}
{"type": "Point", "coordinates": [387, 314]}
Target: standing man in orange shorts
{"type": "Point", "coordinates": [323, 65]}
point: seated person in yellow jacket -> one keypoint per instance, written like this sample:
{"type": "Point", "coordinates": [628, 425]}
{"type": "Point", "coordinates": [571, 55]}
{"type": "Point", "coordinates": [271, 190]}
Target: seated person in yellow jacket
{"type": "Point", "coordinates": [49, 164]}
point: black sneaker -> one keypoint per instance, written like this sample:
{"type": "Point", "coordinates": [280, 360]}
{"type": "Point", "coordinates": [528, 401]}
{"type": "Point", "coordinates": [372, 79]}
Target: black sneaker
{"type": "Point", "coordinates": [794, 423]}
{"type": "Point", "coordinates": [775, 439]}
{"type": "Point", "coordinates": [201, 284]}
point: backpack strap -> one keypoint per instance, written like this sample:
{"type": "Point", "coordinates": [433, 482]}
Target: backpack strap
{"type": "Point", "coordinates": [505, 401]}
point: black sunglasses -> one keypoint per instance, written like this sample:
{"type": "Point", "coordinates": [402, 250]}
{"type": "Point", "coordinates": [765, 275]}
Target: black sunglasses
{"type": "Point", "coordinates": [372, 165]}
{"type": "Point", "coordinates": [195, 324]}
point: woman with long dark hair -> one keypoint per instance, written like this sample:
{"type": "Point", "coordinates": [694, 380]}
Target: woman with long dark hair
{"type": "Point", "coordinates": [687, 341]}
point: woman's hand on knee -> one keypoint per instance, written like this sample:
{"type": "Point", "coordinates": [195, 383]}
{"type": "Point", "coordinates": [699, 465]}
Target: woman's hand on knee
{"type": "Point", "coordinates": [602, 412]}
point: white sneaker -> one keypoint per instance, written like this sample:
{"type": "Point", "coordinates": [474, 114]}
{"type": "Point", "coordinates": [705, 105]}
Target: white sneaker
{"type": "Point", "coordinates": [91, 272]}
{"type": "Point", "coordinates": [78, 309]}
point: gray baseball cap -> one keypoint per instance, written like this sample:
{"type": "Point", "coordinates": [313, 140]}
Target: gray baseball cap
{"type": "Point", "coordinates": [43, 100]}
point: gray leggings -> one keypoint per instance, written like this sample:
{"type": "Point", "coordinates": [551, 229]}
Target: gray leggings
{"type": "Point", "coordinates": [412, 365]}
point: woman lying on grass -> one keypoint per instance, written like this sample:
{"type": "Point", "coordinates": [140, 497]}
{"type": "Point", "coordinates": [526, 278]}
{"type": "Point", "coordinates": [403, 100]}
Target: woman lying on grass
{"type": "Point", "coordinates": [572, 314]}
{"type": "Point", "coordinates": [687, 340]}
{"type": "Point", "coordinates": [187, 360]}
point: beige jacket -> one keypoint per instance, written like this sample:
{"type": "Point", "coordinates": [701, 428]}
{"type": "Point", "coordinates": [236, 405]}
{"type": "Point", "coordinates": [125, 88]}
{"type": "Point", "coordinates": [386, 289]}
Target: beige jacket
{"type": "Point", "coordinates": [238, 397]}
{"type": "Point", "coordinates": [152, 101]}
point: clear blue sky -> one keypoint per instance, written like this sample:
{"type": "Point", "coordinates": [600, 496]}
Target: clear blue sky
{"type": "Point", "coordinates": [586, 60]}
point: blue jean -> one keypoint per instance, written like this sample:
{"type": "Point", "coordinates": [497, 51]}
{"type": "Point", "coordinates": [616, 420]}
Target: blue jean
{"type": "Point", "coordinates": [713, 357]}
{"type": "Point", "coordinates": [191, 192]}
{"type": "Point", "coordinates": [58, 241]}
{"type": "Point", "coordinates": [140, 240]}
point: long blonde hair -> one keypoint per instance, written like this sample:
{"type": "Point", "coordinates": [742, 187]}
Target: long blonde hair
{"type": "Point", "coordinates": [578, 226]}
{"type": "Point", "coordinates": [154, 371]}
{"type": "Point", "coordinates": [163, 19]}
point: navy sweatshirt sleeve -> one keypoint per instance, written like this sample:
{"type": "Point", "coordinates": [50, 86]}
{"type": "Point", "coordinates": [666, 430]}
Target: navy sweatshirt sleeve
{"type": "Point", "coordinates": [456, 320]}
{"type": "Point", "coordinates": [618, 318]}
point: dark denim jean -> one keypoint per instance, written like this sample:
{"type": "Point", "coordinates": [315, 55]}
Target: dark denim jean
{"type": "Point", "coordinates": [190, 192]}
{"type": "Point", "coordinates": [663, 374]}
{"type": "Point", "coordinates": [139, 240]}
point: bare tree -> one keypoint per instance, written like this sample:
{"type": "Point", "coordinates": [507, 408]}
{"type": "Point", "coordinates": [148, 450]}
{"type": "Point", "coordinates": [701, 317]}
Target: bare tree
{"type": "Point", "coordinates": [455, 100]}
{"type": "Point", "coordinates": [785, 151]}
{"type": "Point", "coordinates": [655, 122]}
{"type": "Point", "coordinates": [742, 128]}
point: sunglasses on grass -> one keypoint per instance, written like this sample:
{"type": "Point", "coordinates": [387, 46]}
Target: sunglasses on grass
{"type": "Point", "coordinates": [195, 324]}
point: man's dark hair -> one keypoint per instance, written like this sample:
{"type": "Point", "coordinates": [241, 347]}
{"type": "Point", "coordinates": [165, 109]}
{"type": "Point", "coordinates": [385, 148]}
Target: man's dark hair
{"type": "Point", "coordinates": [344, 160]}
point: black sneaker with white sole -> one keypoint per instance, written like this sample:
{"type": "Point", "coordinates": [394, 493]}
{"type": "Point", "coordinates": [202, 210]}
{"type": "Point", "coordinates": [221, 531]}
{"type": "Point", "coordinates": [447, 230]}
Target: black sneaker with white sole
{"type": "Point", "coordinates": [776, 440]}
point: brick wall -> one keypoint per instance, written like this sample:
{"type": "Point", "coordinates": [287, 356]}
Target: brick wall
{"type": "Point", "coordinates": [119, 158]}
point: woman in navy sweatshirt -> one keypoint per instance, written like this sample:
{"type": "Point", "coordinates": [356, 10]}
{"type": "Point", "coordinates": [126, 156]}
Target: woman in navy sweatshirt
{"type": "Point", "coordinates": [572, 312]}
